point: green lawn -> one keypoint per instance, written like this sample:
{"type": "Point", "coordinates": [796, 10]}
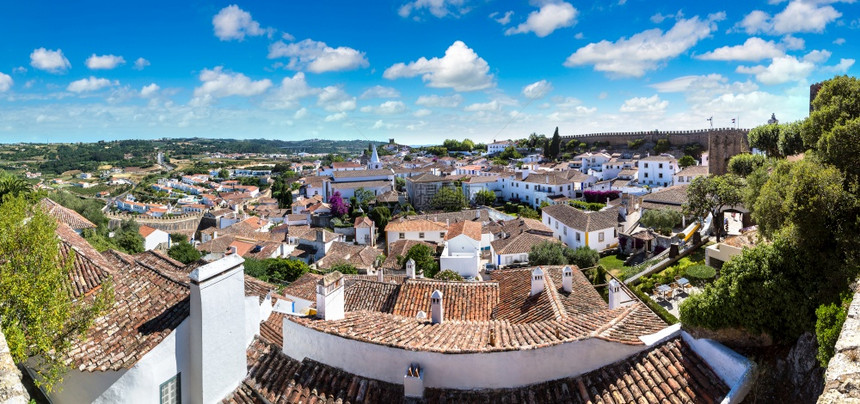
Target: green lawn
{"type": "Point", "coordinates": [613, 264]}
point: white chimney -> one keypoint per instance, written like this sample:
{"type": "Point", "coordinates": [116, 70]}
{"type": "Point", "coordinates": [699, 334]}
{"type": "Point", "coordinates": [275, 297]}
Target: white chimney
{"type": "Point", "coordinates": [410, 269]}
{"type": "Point", "coordinates": [216, 320]}
{"type": "Point", "coordinates": [413, 381]}
{"type": "Point", "coordinates": [567, 279]}
{"type": "Point", "coordinates": [537, 281]}
{"type": "Point", "coordinates": [617, 297]}
{"type": "Point", "coordinates": [330, 296]}
{"type": "Point", "coordinates": [379, 275]}
{"type": "Point", "coordinates": [437, 312]}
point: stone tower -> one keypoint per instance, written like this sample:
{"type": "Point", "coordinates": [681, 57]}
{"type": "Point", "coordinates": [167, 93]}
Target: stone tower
{"type": "Point", "coordinates": [723, 144]}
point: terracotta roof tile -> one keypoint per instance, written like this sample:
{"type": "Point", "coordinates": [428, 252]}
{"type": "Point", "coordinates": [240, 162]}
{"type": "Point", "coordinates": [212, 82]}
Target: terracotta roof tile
{"type": "Point", "coordinates": [404, 225]}
{"type": "Point", "coordinates": [468, 301]}
{"type": "Point", "coordinates": [371, 295]}
{"type": "Point", "coordinates": [400, 248]}
{"type": "Point", "coordinates": [65, 215]}
{"type": "Point", "coordinates": [582, 220]}
{"type": "Point", "coordinates": [304, 288]}
{"type": "Point", "coordinates": [469, 228]}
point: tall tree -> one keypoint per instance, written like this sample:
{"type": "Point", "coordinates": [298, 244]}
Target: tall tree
{"type": "Point", "coordinates": [710, 194]}
{"type": "Point", "coordinates": [555, 145]}
{"type": "Point", "coordinates": [37, 313]}
{"type": "Point", "coordinates": [449, 199]}
{"type": "Point", "coordinates": [424, 260]}
{"type": "Point", "coordinates": [12, 185]}
{"type": "Point", "coordinates": [766, 139]}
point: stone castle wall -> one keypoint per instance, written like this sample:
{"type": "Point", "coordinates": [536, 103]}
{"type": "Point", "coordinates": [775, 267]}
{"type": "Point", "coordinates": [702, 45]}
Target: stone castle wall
{"type": "Point", "coordinates": [677, 137]}
{"type": "Point", "coordinates": [184, 224]}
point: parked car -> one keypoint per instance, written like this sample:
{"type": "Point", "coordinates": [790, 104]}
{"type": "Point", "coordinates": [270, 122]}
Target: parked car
{"type": "Point", "coordinates": [490, 267]}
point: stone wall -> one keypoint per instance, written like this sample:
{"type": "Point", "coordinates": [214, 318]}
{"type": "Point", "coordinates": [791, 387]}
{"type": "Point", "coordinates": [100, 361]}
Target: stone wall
{"type": "Point", "coordinates": [184, 224]}
{"type": "Point", "coordinates": [724, 144]}
{"type": "Point", "coordinates": [677, 137]}
{"type": "Point", "coordinates": [12, 391]}
{"type": "Point", "coordinates": [842, 379]}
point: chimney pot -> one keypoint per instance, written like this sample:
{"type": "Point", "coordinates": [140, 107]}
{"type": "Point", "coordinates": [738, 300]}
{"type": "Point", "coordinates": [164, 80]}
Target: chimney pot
{"type": "Point", "coordinates": [567, 279]}
{"type": "Point", "coordinates": [379, 275]}
{"type": "Point", "coordinates": [537, 281]}
{"type": "Point", "coordinates": [410, 269]}
{"type": "Point", "coordinates": [437, 311]}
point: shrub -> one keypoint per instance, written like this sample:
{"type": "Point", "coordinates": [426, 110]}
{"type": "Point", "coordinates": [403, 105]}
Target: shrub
{"type": "Point", "coordinates": [586, 205]}
{"type": "Point", "coordinates": [701, 272]}
{"type": "Point", "coordinates": [448, 275]}
{"type": "Point", "coordinates": [583, 257]}
{"type": "Point", "coordinates": [828, 325]}
{"type": "Point", "coordinates": [656, 308]}
{"type": "Point", "coordinates": [662, 220]}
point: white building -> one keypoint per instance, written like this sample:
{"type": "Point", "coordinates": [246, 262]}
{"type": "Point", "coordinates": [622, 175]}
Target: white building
{"type": "Point", "coordinates": [534, 188]}
{"type": "Point", "coordinates": [498, 147]}
{"type": "Point", "coordinates": [365, 231]}
{"type": "Point", "coordinates": [416, 229]}
{"type": "Point", "coordinates": [687, 175]}
{"type": "Point", "coordinates": [592, 161]}
{"type": "Point", "coordinates": [576, 228]}
{"type": "Point", "coordinates": [462, 251]}
{"type": "Point", "coordinates": [153, 237]}
{"type": "Point", "coordinates": [657, 171]}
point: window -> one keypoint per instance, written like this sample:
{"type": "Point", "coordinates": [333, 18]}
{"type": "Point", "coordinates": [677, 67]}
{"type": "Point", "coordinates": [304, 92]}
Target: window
{"type": "Point", "coordinates": [420, 235]}
{"type": "Point", "coordinates": [171, 391]}
{"type": "Point", "coordinates": [646, 165]}
{"type": "Point", "coordinates": [565, 230]}
{"type": "Point", "coordinates": [660, 165]}
{"type": "Point", "coordinates": [660, 175]}
{"type": "Point", "coordinates": [548, 220]}
{"type": "Point", "coordinates": [615, 233]}
{"type": "Point", "coordinates": [600, 237]}
{"type": "Point", "coordinates": [527, 186]}
{"type": "Point", "coordinates": [646, 175]}
{"type": "Point", "coordinates": [402, 236]}
{"type": "Point", "coordinates": [577, 236]}
{"type": "Point", "coordinates": [556, 225]}
{"type": "Point", "coordinates": [441, 234]}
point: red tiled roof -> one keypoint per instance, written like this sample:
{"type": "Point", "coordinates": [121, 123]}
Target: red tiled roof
{"type": "Point", "coordinates": [469, 228]}
{"type": "Point", "coordinates": [468, 301]}
{"type": "Point", "coordinates": [371, 295]}
{"type": "Point", "coordinates": [304, 288]}
{"type": "Point", "coordinates": [145, 231]}
{"type": "Point", "coordinates": [403, 225]}
{"type": "Point", "coordinates": [65, 215]}
{"type": "Point", "coordinates": [89, 269]}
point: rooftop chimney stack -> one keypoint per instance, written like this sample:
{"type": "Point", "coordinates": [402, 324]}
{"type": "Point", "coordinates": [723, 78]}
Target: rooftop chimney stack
{"type": "Point", "coordinates": [217, 336]}
{"type": "Point", "coordinates": [537, 281]}
{"type": "Point", "coordinates": [320, 237]}
{"type": "Point", "coordinates": [379, 275]}
{"type": "Point", "coordinates": [437, 312]}
{"type": "Point", "coordinates": [567, 279]}
{"type": "Point", "coordinates": [413, 381]}
{"type": "Point", "coordinates": [330, 297]}
{"type": "Point", "coordinates": [410, 269]}
{"type": "Point", "coordinates": [617, 297]}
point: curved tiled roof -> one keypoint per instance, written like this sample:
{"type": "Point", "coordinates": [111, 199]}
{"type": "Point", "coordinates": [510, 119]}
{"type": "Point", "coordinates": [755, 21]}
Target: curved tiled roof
{"type": "Point", "coordinates": [65, 215]}
{"type": "Point", "coordinates": [467, 301]}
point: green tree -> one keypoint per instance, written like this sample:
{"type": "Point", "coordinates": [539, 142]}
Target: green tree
{"type": "Point", "coordinates": [547, 253]}
{"type": "Point", "coordinates": [400, 183]}
{"type": "Point", "coordinates": [765, 138]}
{"type": "Point", "coordinates": [39, 316]}
{"type": "Point", "coordinates": [662, 146]}
{"type": "Point", "coordinates": [485, 197]}
{"type": "Point", "coordinates": [828, 325]}
{"type": "Point", "coordinates": [282, 191]}
{"type": "Point", "coordinates": [285, 269]}
{"type": "Point", "coordinates": [363, 197]}
{"type": "Point", "coordinates": [183, 252]}
{"type": "Point", "coordinates": [836, 104]}
{"type": "Point", "coordinates": [510, 153]}
{"type": "Point", "coordinates": [555, 145]}
{"type": "Point", "coordinates": [380, 216]}
{"type": "Point", "coordinates": [223, 173]}
{"type": "Point", "coordinates": [663, 220]}
{"type": "Point", "coordinates": [343, 267]}
{"type": "Point", "coordinates": [582, 256]}
{"type": "Point", "coordinates": [686, 161]}
{"type": "Point", "coordinates": [130, 242]}
{"type": "Point", "coordinates": [710, 194]}
{"type": "Point", "coordinates": [12, 185]}
{"type": "Point", "coordinates": [527, 212]}
{"type": "Point", "coordinates": [744, 164]}
{"type": "Point", "coordinates": [571, 146]}
{"type": "Point", "coordinates": [448, 275]}
{"type": "Point", "coordinates": [424, 260]}
{"type": "Point", "coordinates": [256, 268]}
{"type": "Point", "coordinates": [840, 147]}
{"type": "Point", "coordinates": [790, 140]}
{"type": "Point", "coordinates": [449, 199]}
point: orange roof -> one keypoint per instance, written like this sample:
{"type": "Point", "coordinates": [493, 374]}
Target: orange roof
{"type": "Point", "coordinates": [415, 225]}
{"type": "Point", "coordinates": [363, 221]}
{"type": "Point", "coordinates": [145, 231]}
{"type": "Point", "coordinates": [469, 228]}
{"type": "Point", "coordinates": [242, 247]}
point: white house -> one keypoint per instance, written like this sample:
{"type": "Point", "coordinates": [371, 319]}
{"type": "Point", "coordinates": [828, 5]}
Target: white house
{"type": "Point", "coordinates": [498, 147]}
{"type": "Point", "coordinates": [365, 231]}
{"type": "Point", "coordinates": [534, 188]}
{"type": "Point", "coordinates": [152, 237]}
{"type": "Point", "coordinates": [462, 252]}
{"type": "Point", "coordinates": [657, 171]}
{"type": "Point", "coordinates": [417, 229]}
{"type": "Point", "coordinates": [576, 228]}
{"type": "Point", "coordinates": [688, 174]}
{"type": "Point", "coordinates": [592, 161]}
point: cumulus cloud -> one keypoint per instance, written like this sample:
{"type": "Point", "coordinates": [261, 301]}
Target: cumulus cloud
{"type": "Point", "coordinates": [105, 62]}
{"type": "Point", "coordinates": [699, 90]}
{"type": "Point", "coordinates": [537, 89]}
{"type": "Point", "coordinates": [658, 18]}
{"type": "Point", "coordinates": [798, 16]}
{"type": "Point", "coordinates": [548, 18]}
{"type": "Point", "coordinates": [51, 61]}
{"type": "Point", "coordinates": [484, 106]}
{"type": "Point", "coordinates": [386, 108]}
{"type": "Point", "coordinates": [234, 23]}
{"type": "Point", "coordinates": [839, 68]}
{"type": "Point", "coordinates": [785, 68]}
{"type": "Point", "coordinates": [752, 50]}
{"type": "Point", "coordinates": [438, 8]}
{"type": "Point", "coordinates": [218, 83]}
{"type": "Point", "coordinates": [380, 92]}
{"type": "Point", "coordinates": [5, 82]}
{"type": "Point", "coordinates": [336, 117]}
{"type": "Point", "coordinates": [839, 41]}
{"type": "Point", "coordinates": [461, 69]}
{"type": "Point", "coordinates": [290, 92]}
{"type": "Point", "coordinates": [89, 84]}
{"type": "Point", "coordinates": [632, 57]}
{"type": "Point", "coordinates": [451, 101]}
{"type": "Point", "coordinates": [149, 90]}
{"type": "Point", "coordinates": [505, 19]}
{"type": "Point", "coordinates": [317, 57]}
{"type": "Point", "coordinates": [335, 99]}
{"type": "Point", "coordinates": [422, 113]}
{"type": "Point", "coordinates": [568, 108]}
{"type": "Point", "coordinates": [652, 104]}
{"type": "Point", "coordinates": [140, 63]}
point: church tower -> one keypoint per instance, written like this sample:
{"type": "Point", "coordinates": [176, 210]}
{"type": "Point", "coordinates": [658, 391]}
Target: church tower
{"type": "Point", "coordinates": [374, 164]}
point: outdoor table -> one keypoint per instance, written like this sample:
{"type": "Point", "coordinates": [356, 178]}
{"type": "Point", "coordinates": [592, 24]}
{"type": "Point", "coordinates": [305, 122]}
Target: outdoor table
{"type": "Point", "coordinates": [683, 282]}
{"type": "Point", "coordinates": [664, 289]}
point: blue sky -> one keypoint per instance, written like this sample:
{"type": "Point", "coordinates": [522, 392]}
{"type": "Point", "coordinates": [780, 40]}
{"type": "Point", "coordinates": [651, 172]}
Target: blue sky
{"type": "Point", "coordinates": [419, 71]}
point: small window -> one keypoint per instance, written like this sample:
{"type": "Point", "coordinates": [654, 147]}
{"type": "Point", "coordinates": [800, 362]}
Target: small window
{"type": "Point", "coordinates": [600, 237]}
{"type": "Point", "coordinates": [441, 235]}
{"type": "Point", "coordinates": [660, 175]}
{"type": "Point", "coordinates": [660, 165]}
{"type": "Point", "coordinates": [420, 235]}
{"type": "Point", "coordinates": [577, 236]}
{"type": "Point", "coordinates": [615, 233]}
{"type": "Point", "coordinates": [646, 175]}
{"type": "Point", "coordinates": [402, 236]}
{"type": "Point", "coordinates": [646, 165]}
{"type": "Point", "coordinates": [565, 230]}
{"type": "Point", "coordinates": [171, 392]}
{"type": "Point", "coordinates": [556, 225]}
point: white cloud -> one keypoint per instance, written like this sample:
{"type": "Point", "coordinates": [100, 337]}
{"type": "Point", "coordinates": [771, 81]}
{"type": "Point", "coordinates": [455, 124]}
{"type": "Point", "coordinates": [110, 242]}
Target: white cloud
{"type": "Point", "coordinates": [484, 106]}
{"type": "Point", "coordinates": [140, 63]}
{"type": "Point", "coordinates": [579, 35]}
{"type": "Point", "coordinates": [752, 50]}
{"type": "Point", "coordinates": [380, 92]}
{"type": "Point", "coordinates": [548, 18]}
{"type": "Point", "coordinates": [336, 117]}
{"type": "Point", "coordinates": [658, 18]}
{"type": "Point", "coordinates": [504, 19]}
{"type": "Point", "coordinates": [318, 57]}
{"type": "Point", "coordinates": [290, 92]}
{"type": "Point", "coordinates": [149, 90]}
{"type": "Point", "coordinates": [461, 69]}
{"type": "Point", "coordinates": [218, 83]}
{"type": "Point", "coordinates": [334, 99]}
{"type": "Point", "coordinates": [379, 124]}
{"type": "Point", "coordinates": [301, 113]}
{"type": "Point", "coordinates": [5, 82]}
{"type": "Point", "coordinates": [784, 68]}
{"type": "Point", "coordinates": [105, 62]}
{"type": "Point", "coordinates": [438, 8]}
{"type": "Point", "coordinates": [793, 42]}
{"type": "Point", "coordinates": [386, 108]}
{"type": "Point", "coordinates": [652, 104]}
{"type": "Point", "coordinates": [538, 89]}
{"type": "Point", "coordinates": [699, 90]}
{"type": "Point", "coordinates": [422, 112]}
{"type": "Point", "coordinates": [817, 56]}
{"type": "Point", "coordinates": [632, 57]}
{"type": "Point", "coordinates": [839, 41]}
{"type": "Point", "coordinates": [234, 23]}
{"type": "Point", "coordinates": [568, 108]}
{"type": "Point", "coordinates": [89, 84]}
{"type": "Point", "coordinates": [49, 60]}
{"type": "Point", "coordinates": [798, 16]}
{"type": "Point", "coordinates": [451, 101]}
{"type": "Point", "coordinates": [840, 68]}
